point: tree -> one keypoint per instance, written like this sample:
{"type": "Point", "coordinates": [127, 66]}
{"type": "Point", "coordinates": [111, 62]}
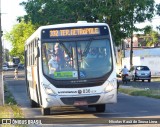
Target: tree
{"type": "Point", "coordinates": [121, 15]}
{"type": "Point", "coordinates": [138, 11]}
{"type": "Point", "coordinates": [18, 36]}
{"type": "Point", "coordinates": [42, 12]}
{"type": "Point", "coordinates": [151, 38]}
{"type": "Point", "coordinates": [158, 13]}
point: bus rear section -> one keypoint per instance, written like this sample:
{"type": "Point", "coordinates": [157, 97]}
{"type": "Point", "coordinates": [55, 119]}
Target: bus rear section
{"type": "Point", "coordinates": [76, 67]}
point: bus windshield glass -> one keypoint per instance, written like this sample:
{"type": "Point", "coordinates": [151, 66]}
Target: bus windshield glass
{"type": "Point", "coordinates": [77, 59]}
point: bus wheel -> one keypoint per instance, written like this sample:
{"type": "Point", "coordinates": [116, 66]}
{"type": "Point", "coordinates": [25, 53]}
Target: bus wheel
{"type": "Point", "coordinates": [45, 111]}
{"type": "Point", "coordinates": [100, 108]}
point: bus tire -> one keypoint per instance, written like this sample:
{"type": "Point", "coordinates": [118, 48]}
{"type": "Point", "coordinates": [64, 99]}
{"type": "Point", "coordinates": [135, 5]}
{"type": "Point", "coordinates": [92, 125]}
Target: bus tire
{"type": "Point", "coordinates": [100, 108]}
{"type": "Point", "coordinates": [45, 111]}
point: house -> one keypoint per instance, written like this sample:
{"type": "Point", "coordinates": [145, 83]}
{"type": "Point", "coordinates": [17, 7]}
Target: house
{"type": "Point", "coordinates": [139, 41]}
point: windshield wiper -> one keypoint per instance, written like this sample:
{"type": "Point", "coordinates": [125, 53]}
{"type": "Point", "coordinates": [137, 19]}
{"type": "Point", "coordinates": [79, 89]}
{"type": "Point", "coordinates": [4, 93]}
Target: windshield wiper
{"type": "Point", "coordinates": [86, 50]}
{"type": "Point", "coordinates": [65, 49]}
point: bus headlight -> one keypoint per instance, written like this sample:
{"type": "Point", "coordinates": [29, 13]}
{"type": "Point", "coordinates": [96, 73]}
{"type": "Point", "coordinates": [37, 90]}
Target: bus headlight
{"type": "Point", "coordinates": [110, 86]}
{"type": "Point", "coordinates": [48, 90]}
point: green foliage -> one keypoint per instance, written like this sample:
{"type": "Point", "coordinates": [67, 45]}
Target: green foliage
{"type": "Point", "coordinates": [18, 36]}
{"type": "Point", "coordinates": [158, 13]}
{"type": "Point", "coordinates": [151, 37]}
{"type": "Point", "coordinates": [158, 9]}
{"type": "Point", "coordinates": [141, 92]}
{"type": "Point", "coordinates": [147, 29]}
{"type": "Point", "coordinates": [10, 108]}
{"type": "Point", "coordinates": [119, 14]}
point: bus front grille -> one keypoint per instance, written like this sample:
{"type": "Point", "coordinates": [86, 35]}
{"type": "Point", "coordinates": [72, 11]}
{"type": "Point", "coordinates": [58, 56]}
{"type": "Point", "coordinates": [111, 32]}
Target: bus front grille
{"type": "Point", "coordinates": [72, 100]}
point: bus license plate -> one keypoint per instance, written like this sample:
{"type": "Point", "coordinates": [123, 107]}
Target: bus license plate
{"type": "Point", "coordinates": [77, 103]}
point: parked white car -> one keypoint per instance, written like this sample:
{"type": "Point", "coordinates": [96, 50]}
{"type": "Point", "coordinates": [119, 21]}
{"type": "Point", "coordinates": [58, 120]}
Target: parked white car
{"type": "Point", "coordinates": [140, 73]}
{"type": "Point", "coordinates": [4, 68]}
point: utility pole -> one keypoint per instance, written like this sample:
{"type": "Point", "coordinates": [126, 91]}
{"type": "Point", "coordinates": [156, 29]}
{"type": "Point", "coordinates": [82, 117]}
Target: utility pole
{"type": "Point", "coordinates": [131, 35]}
{"type": "Point", "coordinates": [1, 62]}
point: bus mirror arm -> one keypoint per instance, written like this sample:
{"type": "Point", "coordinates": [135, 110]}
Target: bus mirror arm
{"type": "Point", "coordinates": [36, 53]}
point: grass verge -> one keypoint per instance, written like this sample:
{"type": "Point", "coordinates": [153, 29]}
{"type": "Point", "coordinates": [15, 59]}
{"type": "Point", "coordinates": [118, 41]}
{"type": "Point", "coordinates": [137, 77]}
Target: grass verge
{"type": "Point", "coordinates": [141, 92]}
{"type": "Point", "coordinates": [10, 109]}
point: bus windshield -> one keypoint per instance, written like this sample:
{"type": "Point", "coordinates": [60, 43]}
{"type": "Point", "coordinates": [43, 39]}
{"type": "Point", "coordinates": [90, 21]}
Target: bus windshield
{"type": "Point", "coordinates": [77, 59]}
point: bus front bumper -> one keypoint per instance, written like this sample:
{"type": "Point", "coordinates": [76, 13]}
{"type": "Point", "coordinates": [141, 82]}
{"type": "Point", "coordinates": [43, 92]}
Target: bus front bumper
{"type": "Point", "coordinates": [80, 100]}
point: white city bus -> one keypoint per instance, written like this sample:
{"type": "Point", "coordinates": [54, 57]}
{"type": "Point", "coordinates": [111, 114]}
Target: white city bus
{"type": "Point", "coordinates": [85, 72]}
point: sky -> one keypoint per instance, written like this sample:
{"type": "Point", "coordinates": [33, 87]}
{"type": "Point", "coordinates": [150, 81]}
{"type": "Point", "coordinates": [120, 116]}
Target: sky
{"type": "Point", "coordinates": [11, 9]}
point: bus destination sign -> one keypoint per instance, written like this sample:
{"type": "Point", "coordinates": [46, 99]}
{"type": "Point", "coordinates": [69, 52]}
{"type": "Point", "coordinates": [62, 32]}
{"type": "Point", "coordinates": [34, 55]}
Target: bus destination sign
{"type": "Point", "coordinates": [74, 32]}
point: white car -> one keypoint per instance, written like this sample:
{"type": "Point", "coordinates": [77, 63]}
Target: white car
{"type": "Point", "coordinates": [140, 73]}
{"type": "Point", "coordinates": [4, 68]}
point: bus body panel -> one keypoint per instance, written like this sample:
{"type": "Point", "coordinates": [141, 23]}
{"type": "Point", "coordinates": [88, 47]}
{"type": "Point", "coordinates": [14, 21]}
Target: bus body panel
{"type": "Point", "coordinates": [32, 79]}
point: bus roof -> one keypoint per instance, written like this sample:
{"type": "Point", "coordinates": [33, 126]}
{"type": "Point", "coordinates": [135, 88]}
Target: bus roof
{"type": "Point", "coordinates": [36, 34]}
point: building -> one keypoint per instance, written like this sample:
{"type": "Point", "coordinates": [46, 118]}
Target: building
{"type": "Point", "coordinates": [139, 41]}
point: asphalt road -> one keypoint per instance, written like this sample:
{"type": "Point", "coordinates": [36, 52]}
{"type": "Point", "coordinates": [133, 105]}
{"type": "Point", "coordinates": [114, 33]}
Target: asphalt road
{"type": "Point", "coordinates": [127, 106]}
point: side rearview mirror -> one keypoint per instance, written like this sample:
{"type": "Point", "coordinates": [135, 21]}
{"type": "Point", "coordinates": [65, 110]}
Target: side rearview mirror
{"type": "Point", "coordinates": [36, 52]}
